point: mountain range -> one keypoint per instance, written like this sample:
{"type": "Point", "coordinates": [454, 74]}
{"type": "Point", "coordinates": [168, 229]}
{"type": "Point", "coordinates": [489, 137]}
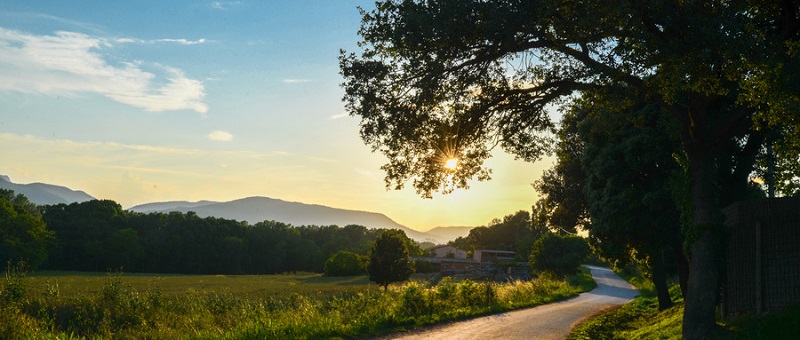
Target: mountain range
{"type": "Point", "coordinates": [257, 209]}
{"type": "Point", "coordinates": [251, 209]}
{"type": "Point", "coordinates": [42, 194]}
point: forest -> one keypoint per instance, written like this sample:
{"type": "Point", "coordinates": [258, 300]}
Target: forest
{"type": "Point", "coordinates": [99, 236]}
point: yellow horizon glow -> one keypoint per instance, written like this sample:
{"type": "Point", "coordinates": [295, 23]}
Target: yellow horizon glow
{"type": "Point", "coordinates": [132, 174]}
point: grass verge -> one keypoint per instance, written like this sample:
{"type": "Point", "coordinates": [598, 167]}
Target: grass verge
{"type": "Point", "coordinates": [63, 306]}
{"type": "Point", "coordinates": [641, 319]}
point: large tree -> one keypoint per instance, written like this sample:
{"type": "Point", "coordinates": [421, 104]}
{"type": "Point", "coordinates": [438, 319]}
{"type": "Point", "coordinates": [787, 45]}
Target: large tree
{"type": "Point", "coordinates": [450, 79]}
{"type": "Point", "coordinates": [631, 184]}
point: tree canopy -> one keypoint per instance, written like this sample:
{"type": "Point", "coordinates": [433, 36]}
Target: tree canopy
{"type": "Point", "coordinates": [631, 182]}
{"type": "Point", "coordinates": [559, 255]}
{"type": "Point", "coordinates": [100, 236]}
{"type": "Point", "coordinates": [343, 263]}
{"type": "Point", "coordinates": [515, 232]}
{"type": "Point", "coordinates": [23, 234]}
{"type": "Point", "coordinates": [388, 259]}
{"type": "Point", "coordinates": [445, 79]}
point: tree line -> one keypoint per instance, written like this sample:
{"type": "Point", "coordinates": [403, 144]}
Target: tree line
{"type": "Point", "coordinates": [99, 235]}
{"type": "Point", "coordinates": [514, 232]}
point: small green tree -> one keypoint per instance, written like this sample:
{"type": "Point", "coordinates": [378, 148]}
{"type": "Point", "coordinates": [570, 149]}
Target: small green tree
{"type": "Point", "coordinates": [343, 263]}
{"type": "Point", "coordinates": [388, 259]}
{"type": "Point", "coordinates": [561, 255]}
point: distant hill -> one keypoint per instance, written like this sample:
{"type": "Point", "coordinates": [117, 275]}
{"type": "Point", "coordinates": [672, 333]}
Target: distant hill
{"type": "Point", "coordinates": [41, 194]}
{"type": "Point", "coordinates": [169, 206]}
{"type": "Point", "coordinates": [252, 210]}
{"type": "Point", "coordinates": [450, 233]}
{"type": "Point", "coordinates": [258, 209]}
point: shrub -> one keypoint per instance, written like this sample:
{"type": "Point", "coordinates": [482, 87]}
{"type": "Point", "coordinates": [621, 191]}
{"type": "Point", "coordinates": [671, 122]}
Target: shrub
{"type": "Point", "coordinates": [14, 287]}
{"type": "Point", "coordinates": [343, 263]}
{"type": "Point", "coordinates": [422, 266]}
{"type": "Point", "coordinates": [560, 255]}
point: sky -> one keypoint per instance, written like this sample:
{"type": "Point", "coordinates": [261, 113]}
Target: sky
{"type": "Point", "coordinates": [151, 101]}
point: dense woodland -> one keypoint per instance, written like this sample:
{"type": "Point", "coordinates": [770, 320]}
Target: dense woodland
{"type": "Point", "coordinates": [99, 235]}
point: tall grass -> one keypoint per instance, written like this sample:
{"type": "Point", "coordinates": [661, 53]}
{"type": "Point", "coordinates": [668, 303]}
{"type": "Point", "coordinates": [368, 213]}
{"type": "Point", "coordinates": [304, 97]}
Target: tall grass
{"type": "Point", "coordinates": [118, 310]}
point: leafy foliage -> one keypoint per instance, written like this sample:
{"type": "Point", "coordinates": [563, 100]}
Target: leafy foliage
{"type": "Point", "coordinates": [23, 234]}
{"type": "Point", "coordinates": [389, 260]}
{"type": "Point", "coordinates": [343, 263]}
{"type": "Point", "coordinates": [515, 232]}
{"type": "Point", "coordinates": [560, 255]}
{"type": "Point", "coordinates": [443, 77]}
{"type": "Point", "coordinates": [100, 236]}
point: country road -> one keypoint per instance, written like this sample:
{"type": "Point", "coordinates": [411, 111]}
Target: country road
{"type": "Point", "coordinates": [551, 321]}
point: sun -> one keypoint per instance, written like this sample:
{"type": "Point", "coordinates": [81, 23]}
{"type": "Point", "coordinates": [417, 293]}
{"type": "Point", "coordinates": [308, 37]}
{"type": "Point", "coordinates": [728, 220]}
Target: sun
{"type": "Point", "coordinates": [451, 164]}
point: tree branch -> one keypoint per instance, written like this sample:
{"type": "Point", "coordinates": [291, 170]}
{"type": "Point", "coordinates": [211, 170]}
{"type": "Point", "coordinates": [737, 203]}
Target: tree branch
{"type": "Point", "coordinates": [587, 60]}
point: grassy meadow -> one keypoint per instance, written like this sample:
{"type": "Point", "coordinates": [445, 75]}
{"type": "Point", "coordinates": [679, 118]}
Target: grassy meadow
{"type": "Point", "coordinates": [67, 305]}
{"type": "Point", "coordinates": [75, 283]}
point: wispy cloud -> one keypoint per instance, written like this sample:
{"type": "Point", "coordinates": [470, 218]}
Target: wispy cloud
{"type": "Point", "coordinates": [183, 41]}
{"type": "Point", "coordinates": [296, 81]}
{"type": "Point", "coordinates": [69, 63]}
{"type": "Point", "coordinates": [180, 41]}
{"type": "Point", "coordinates": [339, 116]}
{"type": "Point", "coordinates": [224, 4]}
{"type": "Point", "coordinates": [220, 136]}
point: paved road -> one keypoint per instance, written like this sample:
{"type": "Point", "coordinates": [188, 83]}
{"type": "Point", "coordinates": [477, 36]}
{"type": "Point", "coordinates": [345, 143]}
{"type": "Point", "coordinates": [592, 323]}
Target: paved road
{"type": "Point", "coordinates": [551, 321]}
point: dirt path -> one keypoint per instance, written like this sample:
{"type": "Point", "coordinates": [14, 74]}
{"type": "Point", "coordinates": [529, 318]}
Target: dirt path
{"type": "Point", "coordinates": [551, 321]}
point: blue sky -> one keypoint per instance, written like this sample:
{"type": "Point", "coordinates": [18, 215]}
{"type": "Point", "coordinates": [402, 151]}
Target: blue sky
{"type": "Point", "coordinates": [144, 101]}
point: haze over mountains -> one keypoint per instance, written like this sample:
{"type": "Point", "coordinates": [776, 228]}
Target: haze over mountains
{"type": "Point", "coordinates": [257, 209]}
{"type": "Point", "coordinates": [41, 194]}
{"type": "Point", "coordinates": [251, 209]}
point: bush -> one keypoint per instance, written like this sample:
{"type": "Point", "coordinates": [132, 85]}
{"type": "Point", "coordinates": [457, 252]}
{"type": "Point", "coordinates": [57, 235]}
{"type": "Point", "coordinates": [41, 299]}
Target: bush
{"type": "Point", "coordinates": [343, 263]}
{"type": "Point", "coordinates": [422, 266]}
{"type": "Point", "coordinates": [560, 255]}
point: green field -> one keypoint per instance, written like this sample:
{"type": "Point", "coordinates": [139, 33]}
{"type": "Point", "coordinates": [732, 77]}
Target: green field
{"type": "Point", "coordinates": [76, 283]}
{"type": "Point", "coordinates": [69, 305]}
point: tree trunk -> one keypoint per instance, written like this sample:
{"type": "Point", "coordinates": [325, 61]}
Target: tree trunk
{"type": "Point", "coordinates": [682, 265]}
{"type": "Point", "coordinates": [701, 298]}
{"type": "Point", "coordinates": [659, 277]}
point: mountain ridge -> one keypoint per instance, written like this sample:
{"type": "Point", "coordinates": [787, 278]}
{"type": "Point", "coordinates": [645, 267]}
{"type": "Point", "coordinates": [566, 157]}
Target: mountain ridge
{"type": "Point", "coordinates": [252, 209]}
{"type": "Point", "coordinates": [256, 209]}
{"type": "Point", "coordinates": [45, 194]}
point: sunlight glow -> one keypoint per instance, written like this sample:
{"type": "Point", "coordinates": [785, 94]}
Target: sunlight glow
{"type": "Point", "coordinates": [451, 164]}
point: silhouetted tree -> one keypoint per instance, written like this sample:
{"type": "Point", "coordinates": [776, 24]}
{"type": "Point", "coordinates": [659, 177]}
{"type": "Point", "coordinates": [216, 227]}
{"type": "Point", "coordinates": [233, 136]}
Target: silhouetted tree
{"type": "Point", "coordinates": [389, 260]}
{"type": "Point", "coordinates": [453, 79]}
{"type": "Point", "coordinates": [560, 255]}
